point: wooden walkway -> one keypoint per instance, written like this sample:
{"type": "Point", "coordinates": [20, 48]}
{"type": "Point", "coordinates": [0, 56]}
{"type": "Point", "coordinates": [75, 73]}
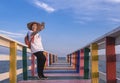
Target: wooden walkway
{"type": "Point", "coordinates": [60, 72]}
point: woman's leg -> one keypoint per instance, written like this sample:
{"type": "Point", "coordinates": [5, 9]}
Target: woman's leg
{"type": "Point", "coordinates": [40, 63]}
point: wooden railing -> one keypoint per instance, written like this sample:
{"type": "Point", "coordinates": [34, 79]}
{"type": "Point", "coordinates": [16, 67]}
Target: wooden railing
{"type": "Point", "coordinates": [88, 58]}
{"type": "Point", "coordinates": [13, 47]}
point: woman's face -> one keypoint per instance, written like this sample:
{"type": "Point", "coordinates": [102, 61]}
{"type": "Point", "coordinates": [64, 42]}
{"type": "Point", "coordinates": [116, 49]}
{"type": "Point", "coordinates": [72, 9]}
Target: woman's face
{"type": "Point", "coordinates": [34, 27]}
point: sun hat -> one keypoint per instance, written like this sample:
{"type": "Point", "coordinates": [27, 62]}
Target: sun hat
{"type": "Point", "coordinates": [39, 26]}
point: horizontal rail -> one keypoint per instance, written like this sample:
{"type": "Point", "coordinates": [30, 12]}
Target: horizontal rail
{"type": "Point", "coordinates": [101, 40]}
{"type": "Point", "coordinates": [103, 77]}
{"type": "Point", "coordinates": [106, 43]}
{"type": "Point", "coordinates": [4, 76]}
{"type": "Point", "coordinates": [5, 42]}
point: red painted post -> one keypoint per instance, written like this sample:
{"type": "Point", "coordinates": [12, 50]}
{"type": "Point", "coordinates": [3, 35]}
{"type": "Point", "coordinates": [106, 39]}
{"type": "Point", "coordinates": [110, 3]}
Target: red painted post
{"type": "Point", "coordinates": [32, 65]}
{"type": "Point", "coordinates": [110, 60]}
{"type": "Point", "coordinates": [82, 62]}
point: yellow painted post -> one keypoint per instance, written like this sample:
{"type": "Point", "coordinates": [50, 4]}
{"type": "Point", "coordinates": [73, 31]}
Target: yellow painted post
{"type": "Point", "coordinates": [13, 53]}
{"type": "Point", "coordinates": [94, 63]}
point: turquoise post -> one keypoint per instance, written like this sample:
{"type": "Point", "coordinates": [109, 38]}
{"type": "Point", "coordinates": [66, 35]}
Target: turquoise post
{"type": "Point", "coordinates": [24, 57]}
{"type": "Point", "coordinates": [86, 63]}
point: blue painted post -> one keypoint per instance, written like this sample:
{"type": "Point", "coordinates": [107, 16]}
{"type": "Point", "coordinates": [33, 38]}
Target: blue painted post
{"type": "Point", "coordinates": [78, 61]}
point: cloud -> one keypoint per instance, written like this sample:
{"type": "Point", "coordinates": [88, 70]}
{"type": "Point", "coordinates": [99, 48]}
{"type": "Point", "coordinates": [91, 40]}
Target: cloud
{"type": "Point", "coordinates": [115, 20]}
{"type": "Point", "coordinates": [12, 34]}
{"type": "Point", "coordinates": [44, 6]}
{"type": "Point", "coordinates": [88, 10]}
{"type": "Point", "coordinates": [115, 1]}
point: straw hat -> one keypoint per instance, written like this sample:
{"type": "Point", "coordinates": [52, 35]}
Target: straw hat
{"type": "Point", "coordinates": [39, 26]}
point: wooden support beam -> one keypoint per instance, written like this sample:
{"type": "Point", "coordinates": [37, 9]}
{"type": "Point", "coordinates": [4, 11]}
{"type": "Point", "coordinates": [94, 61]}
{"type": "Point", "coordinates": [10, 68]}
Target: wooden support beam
{"type": "Point", "coordinates": [86, 63]}
{"type": "Point", "coordinates": [13, 63]}
{"type": "Point", "coordinates": [110, 60]}
{"type": "Point", "coordinates": [94, 63]}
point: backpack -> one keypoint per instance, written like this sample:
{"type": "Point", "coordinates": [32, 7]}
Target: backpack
{"type": "Point", "coordinates": [27, 42]}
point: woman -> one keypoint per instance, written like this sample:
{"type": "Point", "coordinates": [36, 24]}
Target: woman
{"type": "Point", "coordinates": [36, 46]}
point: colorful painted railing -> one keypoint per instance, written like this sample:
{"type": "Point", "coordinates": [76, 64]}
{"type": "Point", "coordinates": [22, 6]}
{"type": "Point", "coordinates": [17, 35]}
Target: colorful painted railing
{"type": "Point", "coordinates": [14, 46]}
{"type": "Point", "coordinates": [88, 60]}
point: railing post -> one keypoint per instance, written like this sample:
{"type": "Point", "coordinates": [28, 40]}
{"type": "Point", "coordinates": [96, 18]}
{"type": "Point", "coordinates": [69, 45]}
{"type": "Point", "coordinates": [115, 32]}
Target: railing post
{"type": "Point", "coordinates": [50, 59]}
{"type": "Point", "coordinates": [24, 57]}
{"type": "Point", "coordinates": [78, 61]}
{"type": "Point", "coordinates": [82, 62]}
{"type": "Point", "coordinates": [110, 60]}
{"type": "Point", "coordinates": [13, 63]}
{"type": "Point", "coordinates": [86, 63]}
{"type": "Point", "coordinates": [94, 63]}
{"type": "Point", "coordinates": [70, 59]}
{"type": "Point", "coordinates": [32, 65]}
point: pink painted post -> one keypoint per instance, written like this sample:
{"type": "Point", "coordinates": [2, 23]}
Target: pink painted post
{"type": "Point", "coordinates": [32, 65]}
{"type": "Point", "coordinates": [46, 64]}
{"type": "Point", "coordinates": [82, 62]}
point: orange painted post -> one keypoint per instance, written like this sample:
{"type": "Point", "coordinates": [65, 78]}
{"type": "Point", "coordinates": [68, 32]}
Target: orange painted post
{"type": "Point", "coordinates": [94, 63]}
{"type": "Point", "coordinates": [82, 62]}
{"type": "Point", "coordinates": [13, 63]}
{"type": "Point", "coordinates": [110, 60]}
{"type": "Point", "coordinates": [74, 60]}
{"type": "Point", "coordinates": [32, 65]}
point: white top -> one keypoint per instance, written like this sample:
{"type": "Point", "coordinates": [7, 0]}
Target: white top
{"type": "Point", "coordinates": [36, 45]}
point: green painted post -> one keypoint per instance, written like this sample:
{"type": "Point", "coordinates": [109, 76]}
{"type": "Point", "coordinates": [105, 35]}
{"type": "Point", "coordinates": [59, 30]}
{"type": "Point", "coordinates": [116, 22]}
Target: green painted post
{"type": "Point", "coordinates": [86, 63]}
{"type": "Point", "coordinates": [24, 57]}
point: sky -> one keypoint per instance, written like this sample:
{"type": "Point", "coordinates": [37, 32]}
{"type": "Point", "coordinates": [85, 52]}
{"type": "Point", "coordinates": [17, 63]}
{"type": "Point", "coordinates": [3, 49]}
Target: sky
{"type": "Point", "coordinates": [69, 24]}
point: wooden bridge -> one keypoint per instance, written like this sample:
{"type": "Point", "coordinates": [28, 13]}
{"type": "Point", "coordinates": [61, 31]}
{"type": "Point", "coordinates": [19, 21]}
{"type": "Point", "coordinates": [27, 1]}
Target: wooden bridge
{"type": "Point", "coordinates": [85, 65]}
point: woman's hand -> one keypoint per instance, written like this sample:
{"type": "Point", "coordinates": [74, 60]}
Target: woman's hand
{"type": "Point", "coordinates": [45, 53]}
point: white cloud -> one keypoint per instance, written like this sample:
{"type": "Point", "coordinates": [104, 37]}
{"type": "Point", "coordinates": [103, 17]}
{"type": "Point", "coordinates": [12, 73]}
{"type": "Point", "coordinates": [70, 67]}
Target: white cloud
{"type": "Point", "coordinates": [114, 19]}
{"type": "Point", "coordinates": [12, 34]}
{"type": "Point", "coordinates": [44, 6]}
{"type": "Point", "coordinates": [115, 1]}
{"type": "Point", "coordinates": [88, 10]}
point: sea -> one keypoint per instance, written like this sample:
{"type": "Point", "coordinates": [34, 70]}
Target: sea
{"type": "Point", "coordinates": [4, 65]}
